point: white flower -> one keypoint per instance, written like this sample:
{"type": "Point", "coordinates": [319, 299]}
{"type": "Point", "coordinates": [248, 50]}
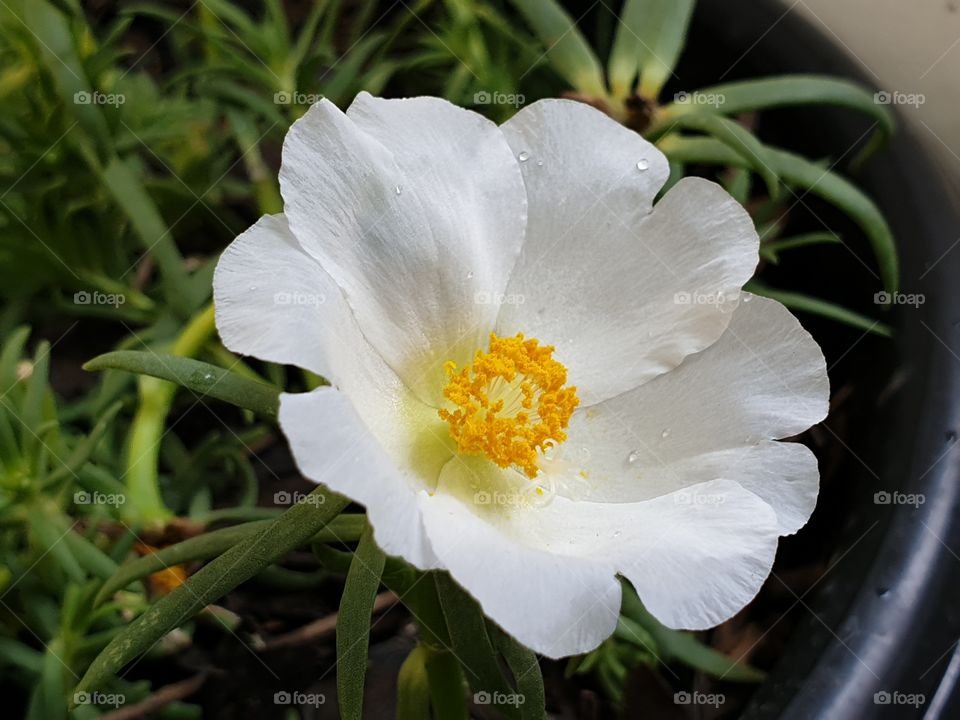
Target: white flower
{"type": "Point", "coordinates": [414, 229]}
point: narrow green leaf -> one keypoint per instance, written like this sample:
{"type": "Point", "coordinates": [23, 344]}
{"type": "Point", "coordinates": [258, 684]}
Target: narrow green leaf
{"type": "Point", "coordinates": [471, 644]}
{"type": "Point", "coordinates": [798, 172]}
{"type": "Point", "coordinates": [202, 378]}
{"type": "Point", "coordinates": [85, 448]}
{"type": "Point", "coordinates": [566, 49]}
{"type": "Point", "coordinates": [784, 91]}
{"type": "Point", "coordinates": [345, 528]}
{"type": "Point", "coordinates": [650, 37]}
{"type": "Point", "coordinates": [353, 624]}
{"type": "Point", "coordinates": [771, 250]}
{"type": "Point", "coordinates": [527, 677]}
{"type": "Point", "coordinates": [736, 137]}
{"type": "Point", "coordinates": [823, 308]}
{"type": "Point", "coordinates": [125, 186]}
{"type": "Point", "coordinates": [237, 565]}
{"type": "Point", "coordinates": [684, 646]}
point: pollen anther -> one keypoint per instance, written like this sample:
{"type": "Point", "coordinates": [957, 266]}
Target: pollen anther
{"type": "Point", "coordinates": [511, 401]}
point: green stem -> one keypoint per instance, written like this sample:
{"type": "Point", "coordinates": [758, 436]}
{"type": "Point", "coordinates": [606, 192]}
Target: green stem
{"type": "Point", "coordinates": [145, 504]}
{"type": "Point", "coordinates": [447, 686]}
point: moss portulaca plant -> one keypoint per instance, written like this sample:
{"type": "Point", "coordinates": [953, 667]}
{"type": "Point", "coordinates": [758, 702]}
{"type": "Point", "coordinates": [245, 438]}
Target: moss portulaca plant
{"type": "Point", "coordinates": [539, 377]}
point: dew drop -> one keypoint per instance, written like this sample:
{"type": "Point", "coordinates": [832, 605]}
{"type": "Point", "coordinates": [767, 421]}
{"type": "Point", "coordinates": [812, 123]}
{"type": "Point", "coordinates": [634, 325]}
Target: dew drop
{"type": "Point", "coordinates": [539, 163]}
{"type": "Point", "coordinates": [633, 457]}
{"type": "Point", "coordinates": [523, 156]}
{"type": "Point", "coordinates": [617, 533]}
{"type": "Point", "coordinates": [398, 189]}
{"type": "Point", "coordinates": [643, 164]}
{"type": "Point", "coordinates": [470, 275]}
{"type": "Point", "coordinates": [665, 434]}
{"type": "Point", "coordinates": [747, 298]}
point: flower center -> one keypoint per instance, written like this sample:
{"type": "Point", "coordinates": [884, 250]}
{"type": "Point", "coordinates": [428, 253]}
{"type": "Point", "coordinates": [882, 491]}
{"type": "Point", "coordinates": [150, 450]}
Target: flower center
{"type": "Point", "coordinates": [511, 402]}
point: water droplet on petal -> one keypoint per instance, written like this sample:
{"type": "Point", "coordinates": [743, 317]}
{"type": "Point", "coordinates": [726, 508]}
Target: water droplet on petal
{"type": "Point", "coordinates": [539, 163]}
{"type": "Point", "coordinates": [633, 457]}
{"type": "Point", "coordinates": [665, 434]}
{"type": "Point", "coordinates": [523, 156]}
{"type": "Point", "coordinates": [469, 276]}
{"type": "Point", "coordinates": [617, 533]}
{"type": "Point", "coordinates": [747, 298]}
{"type": "Point", "coordinates": [399, 189]}
{"type": "Point", "coordinates": [643, 164]}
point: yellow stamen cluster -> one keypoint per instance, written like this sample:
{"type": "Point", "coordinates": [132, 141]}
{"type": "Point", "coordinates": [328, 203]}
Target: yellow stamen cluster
{"type": "Point", "coordinates": [510, 401]}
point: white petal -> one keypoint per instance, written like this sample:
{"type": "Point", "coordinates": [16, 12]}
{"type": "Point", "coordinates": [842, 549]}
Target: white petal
{"type": "Point", "coordinates": [273, 301]}
{"type": "Point", "coordinates": [765, 378]}
{"type": "Point", "coordinates": [556, 605]}
{"type": "Point", "coordinates": [333, 445]}
{"type": "Point", "coordinates": [696, 556]}
{"type": "Point", "coordinates": [602, 277]}
{"type": "Point", "coordinates": [416, 208]}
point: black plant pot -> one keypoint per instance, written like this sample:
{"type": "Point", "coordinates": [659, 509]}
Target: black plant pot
{"type": "Point", "coordinates": [885, 618]}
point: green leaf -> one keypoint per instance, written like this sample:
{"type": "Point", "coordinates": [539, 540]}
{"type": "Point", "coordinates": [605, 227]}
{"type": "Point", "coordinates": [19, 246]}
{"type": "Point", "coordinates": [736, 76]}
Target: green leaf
{"type": "Point", "coordinates": [413, 686]}
{"type": "Point", "coordinates": [237, 565]}
{"type": "Point", "coordinates": [823, 308]}
{"type": "Point", "coordinates": [649, 40]}
{"type": "Point", "coordinates": [527, 677]}
{"type": "Point", "coordinates": [801, 173]}
{"type": "Point", "coordinates": [736, 137]}
{"type": "Point", "coordinates": [683, 646]}
{"type": "Point", "coordinates": [770, 251]}
{"type": "Point", "coordinates": [126, 188]}
{"type": "Point", "coordinates": [471, 644]}
{"type": "Point", "coordinates": [353, 624]}
{"type": "Point", "coordinates": [566, 49]}
{"type": "Point", "coordinates": [212, 544]}
{"type": "Point", "coordinates": [786, 91]}
{"type": "Point", "coordinates": [202, 378]}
